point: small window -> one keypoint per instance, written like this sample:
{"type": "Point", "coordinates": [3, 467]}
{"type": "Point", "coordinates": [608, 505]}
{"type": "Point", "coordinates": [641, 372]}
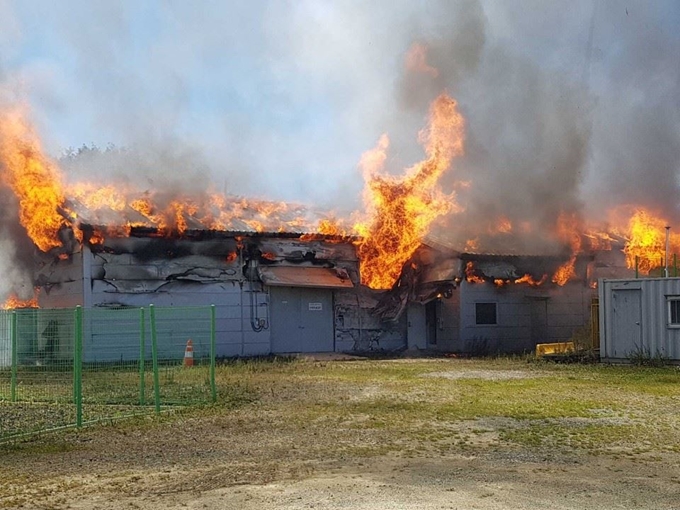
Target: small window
{"type": "Point", "coordinates": [674, 311]}
{"type": "Point", "coordinates": [485, 313]}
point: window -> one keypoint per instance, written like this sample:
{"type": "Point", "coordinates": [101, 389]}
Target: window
{"type": "Point", "coordinates": [674, 311]}
{"type": "Point", "coordinates": [485, 313]}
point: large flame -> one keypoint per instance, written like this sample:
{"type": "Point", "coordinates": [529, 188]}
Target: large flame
{"type": "Point", "coordinates": [402, 209]}
{"type": "Point", "coordinates": [33, 178]}
{"type": "Point", "coordinates": [569, 231]}
{"type": "Point", "coordinates": [646, 241]}
{"type": "Point", "coordinates": [399, 210]}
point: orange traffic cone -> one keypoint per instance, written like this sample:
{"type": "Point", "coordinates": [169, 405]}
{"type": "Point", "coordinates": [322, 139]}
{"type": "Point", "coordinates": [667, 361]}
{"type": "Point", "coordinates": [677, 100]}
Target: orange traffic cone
{"type": "Point", "coordinates": [189, 354]}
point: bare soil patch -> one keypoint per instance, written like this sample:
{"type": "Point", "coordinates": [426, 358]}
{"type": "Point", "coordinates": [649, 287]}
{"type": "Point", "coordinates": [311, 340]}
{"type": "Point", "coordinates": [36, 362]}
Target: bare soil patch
{"type": "Point", "coordinates": [489, 375]}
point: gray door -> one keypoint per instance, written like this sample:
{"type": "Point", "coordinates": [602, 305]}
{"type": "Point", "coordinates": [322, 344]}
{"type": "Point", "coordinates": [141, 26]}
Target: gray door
{"type": "Point", "coordinates": [301, 320]}
{"type": "Point", "coordinates": [431, 322]}
{"type": "Point", "coordinates": [626, 322]}
{"type": "Point", "coordinates": [415, 332]}
{"type": "Point", "coordinates": [539, 321]}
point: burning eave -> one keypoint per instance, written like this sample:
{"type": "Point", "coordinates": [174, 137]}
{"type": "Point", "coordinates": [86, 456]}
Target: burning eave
{"type": "Point", "coordinates": [146, 261]}
{"type": "Point", "coordinates": [432, 274]}
{"type": "Point", "coordinates": [535, 270]}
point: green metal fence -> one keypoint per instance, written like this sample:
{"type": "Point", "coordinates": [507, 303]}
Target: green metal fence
{"type": "Point", "coordinates": [69, 367]}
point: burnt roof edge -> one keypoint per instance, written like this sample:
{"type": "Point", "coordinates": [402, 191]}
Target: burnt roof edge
{"type": "Point", "coordinates": [221, 234]}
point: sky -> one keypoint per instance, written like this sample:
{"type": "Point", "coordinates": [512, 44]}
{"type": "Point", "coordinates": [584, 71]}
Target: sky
{"type": "Point", "coordinates": [568, 105]}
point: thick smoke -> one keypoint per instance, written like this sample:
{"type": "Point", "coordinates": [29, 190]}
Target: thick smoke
{"type": "Point", "coordinates": [528, 131]}
{"type": "Point", "coordinates": [569, 110]}
{"type": "Point", "coordinates": [166, 167]}
{"type": "Point", "coordinates": [636, 157]}
{"type": "Point", "coordinates": [16, 251]}
{"type": "Point", "coordinates": [549, 134]}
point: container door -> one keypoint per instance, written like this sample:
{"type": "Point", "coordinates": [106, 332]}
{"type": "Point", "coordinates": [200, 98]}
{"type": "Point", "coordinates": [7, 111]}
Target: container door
{"type": "Point", "coordinates": [301, 320]}
{"type": "Point", "coordinates": [627, 322]}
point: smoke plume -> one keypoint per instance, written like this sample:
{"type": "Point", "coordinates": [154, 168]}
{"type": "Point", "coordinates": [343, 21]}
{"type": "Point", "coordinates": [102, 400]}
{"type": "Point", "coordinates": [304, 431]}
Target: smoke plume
{"type": "Point", "coordinates": [568, 111]}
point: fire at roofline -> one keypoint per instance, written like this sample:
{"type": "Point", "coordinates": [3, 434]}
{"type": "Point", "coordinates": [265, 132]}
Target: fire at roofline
{"type": "Point", "coordinates": [400, 212]}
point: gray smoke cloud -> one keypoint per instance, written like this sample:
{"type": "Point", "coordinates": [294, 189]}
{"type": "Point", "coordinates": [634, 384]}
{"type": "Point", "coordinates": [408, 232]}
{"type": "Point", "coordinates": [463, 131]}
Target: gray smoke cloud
{"type": "Point", "coordinates": [16, 252]}
{"type": "Point", "coordinates": [568, 109]}
{"type": "Point", "coordinates": [568, 113]}
{"type": "Point", "coordinates": [636, 149]}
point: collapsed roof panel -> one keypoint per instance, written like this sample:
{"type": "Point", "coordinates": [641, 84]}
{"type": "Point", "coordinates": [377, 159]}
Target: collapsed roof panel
{"type": "Point", "coordinates": [297, 276]}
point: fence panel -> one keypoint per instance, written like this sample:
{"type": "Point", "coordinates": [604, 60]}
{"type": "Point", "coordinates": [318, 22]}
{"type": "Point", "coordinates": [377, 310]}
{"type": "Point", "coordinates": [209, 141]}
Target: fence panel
{"type": "Point", "coordinates": [185, 356]}
{"type": "Point", "coordinates": [113, 370]}
{"type": "Point", "coordinates": [37, 388]}
{"type": "Point", "coordinates": [68, 367]}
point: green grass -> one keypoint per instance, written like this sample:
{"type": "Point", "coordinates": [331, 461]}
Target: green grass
{"type": "Point", "coordinates": [589, 407]}
{"type": "Point", "coordinates": [433, 403]}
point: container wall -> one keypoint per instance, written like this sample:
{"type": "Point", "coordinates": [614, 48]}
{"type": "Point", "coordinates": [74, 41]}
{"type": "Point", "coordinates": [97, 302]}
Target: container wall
{"type": "Point", "coordinates": [624, 304]}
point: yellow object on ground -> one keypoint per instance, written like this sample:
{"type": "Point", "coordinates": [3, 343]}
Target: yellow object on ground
{"type": "Point", "coordinates": [555, 348]}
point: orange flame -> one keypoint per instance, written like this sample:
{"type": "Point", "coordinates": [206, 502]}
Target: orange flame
{"type": "Point", "coordinates": [34, 180]}
{"type": "Point", "coordinates": [330, 227]}
{"type": "Point", "coordinates": [646, 241]}
{"type": "Point", "coordinates": [527, 278]}
{"type": "Point", "coordinates": [569, 232]}
{"type": "Point", "coordinates": [502, 226]}
{"type": "Point", "coordinates": [470, 275]}
{"type": "Point", "coordinates": [402, 210]}
{"type": "Point", "coordinates": [13, 302]}
{"type": "Point", "coordinates": [95, 196]}
{"type": "Point", "coordinates": [471, 245]}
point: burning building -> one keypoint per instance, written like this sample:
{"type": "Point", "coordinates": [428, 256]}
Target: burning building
{"type": "Point", "coordinates": [286, 279]}
{"type": "Point", "coordinates": [488, 303]}
{"type": "Point", "coordinates": [273, 292]}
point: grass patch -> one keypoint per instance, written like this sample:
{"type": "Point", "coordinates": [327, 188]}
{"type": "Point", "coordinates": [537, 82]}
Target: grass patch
{"type": "Point", "coordinates": [434, 401]}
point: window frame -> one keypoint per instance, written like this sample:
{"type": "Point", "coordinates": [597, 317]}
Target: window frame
{"type": "Point", "coordinates": [669, 314]}
{"type": "Point", "coordinates": [488, 324]}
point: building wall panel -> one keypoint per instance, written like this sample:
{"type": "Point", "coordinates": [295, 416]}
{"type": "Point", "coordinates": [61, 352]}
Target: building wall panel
{"type": "Point", "coordinates": [448, 335]}
{"type": "Point", "coordinates": [519, 324]}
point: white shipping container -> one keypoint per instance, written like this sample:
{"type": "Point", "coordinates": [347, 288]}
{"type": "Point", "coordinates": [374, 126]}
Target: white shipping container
{"type": "Point", "coordinates": [639, 317]}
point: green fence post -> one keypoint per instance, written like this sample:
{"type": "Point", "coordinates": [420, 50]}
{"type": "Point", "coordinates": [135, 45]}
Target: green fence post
{"type": "Point", "coordinates": [154, 357]}
{"type": "Point", "coordinates": [142, 355]}
{"type": "Point", "coordinates": [213, 388]}
{"type": "Point", "coordinates": [78, 365]}
{"type": "Point", "coordinates": [75, 356]}
{"type": "Point", "coordinates": [15, 358]}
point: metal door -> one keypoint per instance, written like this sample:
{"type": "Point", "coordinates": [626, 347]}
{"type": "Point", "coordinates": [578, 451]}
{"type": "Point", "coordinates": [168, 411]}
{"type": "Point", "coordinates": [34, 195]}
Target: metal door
{"type": "Point", "coordinates": [539, 321]}
{"type": "Point", "coordinates": [301, 320]}
{"type": "Point", "coordinates": [627, 322]}
{"type": "Point", "coordinates": [431, 321]}
{"type": "Point", "coordinates": [416, 331]}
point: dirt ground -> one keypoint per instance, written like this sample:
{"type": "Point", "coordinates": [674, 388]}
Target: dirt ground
{"type": "Point", "coordinates": [255, 458]}
{"type": "Point", "coordinates": [248, 482]}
